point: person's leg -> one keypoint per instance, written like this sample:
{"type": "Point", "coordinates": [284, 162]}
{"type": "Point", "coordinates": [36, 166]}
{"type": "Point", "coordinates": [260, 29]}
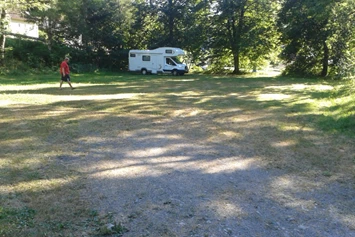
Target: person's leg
{"type": "Point", "coordinates": [61, 83]}
{"type": "Point", "coordinates": [70, 85]}
{"type": "Point", "coordinates": [68, 80]}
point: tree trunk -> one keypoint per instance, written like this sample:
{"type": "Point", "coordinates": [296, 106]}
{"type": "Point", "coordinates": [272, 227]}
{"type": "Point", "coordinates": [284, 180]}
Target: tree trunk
{"type": "Point", "coordinates": [171, 23]}
{"type": "Point", "coordinates": [2, 43]}
{"type": "Point", "coordinates": [237, 36]}
{"type": "Point", "coordinates": [325, 59]}
{"type": "Point", "coordinates": [2, 35]}
{"type": "Point", "coordinates": [236, 63]}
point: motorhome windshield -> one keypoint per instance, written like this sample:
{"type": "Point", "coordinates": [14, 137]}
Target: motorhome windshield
{"type": "Point", "coordinates": [177, 60]}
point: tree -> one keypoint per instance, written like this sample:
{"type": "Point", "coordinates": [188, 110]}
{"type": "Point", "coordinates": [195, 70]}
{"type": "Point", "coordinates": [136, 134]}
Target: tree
{"type": "Point", "coordinates": [342, 43]}
{"type": "Point", "coordinates": [3, 27]}
{"type": "Point", "coordinates": [19, 6]}
{"type": "Point", "coordinates": [246, 28]}
{"type": "Point", "coordinates": [175, 23]}
{"type": "Point", "coordinates": [315, 33]}
{"type": "Point", "coordinates": [144, 25]}
{"type": "Point", "coordinates": [195, 30]}
{"type": "Point", "coordinates": [95, 27]}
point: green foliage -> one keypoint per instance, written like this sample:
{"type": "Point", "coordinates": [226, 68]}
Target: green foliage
{"type": "Point", "coordinates": [31, 56]}
{"type": "Point", "coordinates": [317, 35]}
{"type": "Point", "coordinates": [24, 56]}
{"type": "Point", "coordinates": [34, 54]}
{"type": "Point", "coordinates": [246, 28]}
{"type": "Point", "coordinates": [340, 115]}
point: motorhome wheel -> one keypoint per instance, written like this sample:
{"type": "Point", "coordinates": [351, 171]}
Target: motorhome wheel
{"type": "Point", "coordinates": [144, 71]}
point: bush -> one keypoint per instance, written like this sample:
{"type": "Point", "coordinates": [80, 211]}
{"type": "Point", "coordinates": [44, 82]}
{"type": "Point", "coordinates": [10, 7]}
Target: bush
{"type": "Point", "coordinates": [23, 55]}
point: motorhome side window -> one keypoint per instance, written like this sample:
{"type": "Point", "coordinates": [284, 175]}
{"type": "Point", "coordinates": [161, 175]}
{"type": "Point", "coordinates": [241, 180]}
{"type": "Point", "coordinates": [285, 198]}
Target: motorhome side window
{"type": "Point", "coordinates": [145, 58]}
{"type": "Point", "coordinates": [169, 51]}
{"type": "Point", "coordinates": [132, 55]}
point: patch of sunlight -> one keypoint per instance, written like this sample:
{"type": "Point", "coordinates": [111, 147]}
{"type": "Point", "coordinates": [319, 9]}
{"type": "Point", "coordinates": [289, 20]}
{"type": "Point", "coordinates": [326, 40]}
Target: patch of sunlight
{"type": "Point", "coordinates": [230, 134]}
{"type": "Point", "coordinates": [266, 97]}
{"type": "Point", "coordinates": [324, 87]}
{"type": "Point", "coordinates": [6, 120]}
{"type": "Point", "coordinates": [154, 167]}
{"type": "Point", "coordinates": [305, 100]}
{"type": "Point", "coordinates": [325, 103]}
{"type": "Point", "coordinates": [283, 143]}
{"type": "Point", "coordinates": [349, 220]}
{"type": "Point", "coordinates": [298, 87]}
{"type": "Point", "coordinates": [99, 97]}
{"type": "Point", "coordinates": [186, 112]}
{"type": "Point", "coordinates": [169, 161]}
{"type": "Point", "coordinates": [301, 204]}
{"type": "Point", "coordinates": [289, 183]}
{"type": "Point", "coordinates": [170, 79]}
{"type": "Point", "coordinates": [20, 88]}
{"type": "Point", "coordinates": [91, 140]}
{"type": "Point", "coordinates": [203, 100]}
{"type": "Point", "coordinates": [234, 110]}
{"type": "Point", "coordinates": [56, 113]}
{"type": "Point", "coordinates": [156, 151]}
{"type": "Point", "coordinates": [233, 94]}
{"type": "Point", "coordinates": [16, 142]}
{"type": "Point", "coordinates": [345, 102]}
{"type": "Point", "coordinates": [227, 210]}
{"type": "Point", "coordinates": [227, 165]}
{"type": "Point", "coordinates": [191, 93]}
{"type": "Point", "coordinates": [4, 162]}
{"type": "Point", "coordinates": [302, 87]}
{"type": "Point", "coordinates": [242, 118]}
{"type": "Point", "coordinates": [124, 170]}
{"type": "Point", "coordinates": [284, 189]}
{"type": "Point", "coordinates": [186, 94]}
{"type": "Point", "coordinates": [224, 136]}
{"type": "Point", "coordinates": [5, 102]}
{"type": "Point", "coordinates": [36, 185]}
{"type": "Point", "coordinates": [284, 182]}
{"type": "Point", "coordinates": [295, 87]}
{"type": "Point", "coordinates": [47, 99]}
{"type": "Point", "coordinates": [188, 80]}
{"type": "Point", "coordinates": [246, 96]}
{"type": "Point", "coordinates": [24, 163]}
{"type": "Point", "coordinates": [28, 98]}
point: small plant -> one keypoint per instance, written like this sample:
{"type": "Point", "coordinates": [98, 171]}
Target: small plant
{"type": "Point", "coordinates": [12, 219]}
{"type": "Point", "coordinates": [327, 174]}
{"type": "Point", "coordinates": [113, 229]}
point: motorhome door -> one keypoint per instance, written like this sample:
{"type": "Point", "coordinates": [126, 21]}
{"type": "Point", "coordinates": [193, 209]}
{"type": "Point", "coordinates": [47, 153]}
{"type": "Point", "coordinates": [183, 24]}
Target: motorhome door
{"type": "Point", "coordinates": [169, 65]}
{"type": "Point", "coordinates": [156, 64]}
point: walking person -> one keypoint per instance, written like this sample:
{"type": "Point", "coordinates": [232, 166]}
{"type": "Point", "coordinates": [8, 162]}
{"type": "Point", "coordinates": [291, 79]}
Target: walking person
{"type": "Point", "coordinates": [64, 72]}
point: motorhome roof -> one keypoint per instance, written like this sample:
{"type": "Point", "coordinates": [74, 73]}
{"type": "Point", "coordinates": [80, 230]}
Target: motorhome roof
{"type": "Point", "coordinates": [174, 51]}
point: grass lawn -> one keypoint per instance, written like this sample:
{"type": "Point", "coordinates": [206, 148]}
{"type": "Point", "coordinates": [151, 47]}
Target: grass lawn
{"type": "Point", "coordinates": [43, 128]}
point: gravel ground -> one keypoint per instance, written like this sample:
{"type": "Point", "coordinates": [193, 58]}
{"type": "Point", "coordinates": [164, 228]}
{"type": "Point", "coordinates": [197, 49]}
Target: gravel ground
{"type": "Point", "coordinates": [188, 175]}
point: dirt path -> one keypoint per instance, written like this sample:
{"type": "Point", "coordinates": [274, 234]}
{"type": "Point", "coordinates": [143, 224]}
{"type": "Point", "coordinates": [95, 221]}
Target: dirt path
{"type": "Point", "coordinates": [213, 174]}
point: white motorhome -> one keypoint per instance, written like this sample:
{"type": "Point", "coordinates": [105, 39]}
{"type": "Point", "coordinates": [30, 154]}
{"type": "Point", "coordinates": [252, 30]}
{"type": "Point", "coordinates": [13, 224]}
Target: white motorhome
{"type": "Point", "coordinates": [163, 60]}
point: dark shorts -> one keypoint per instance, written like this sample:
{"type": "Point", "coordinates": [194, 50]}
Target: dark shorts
{"type": "Point", "coordinates": [66, 78]}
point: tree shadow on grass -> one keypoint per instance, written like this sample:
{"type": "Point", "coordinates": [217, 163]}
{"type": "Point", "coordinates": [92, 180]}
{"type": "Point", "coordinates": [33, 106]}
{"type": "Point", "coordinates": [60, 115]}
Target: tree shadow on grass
{"type": "Point", "coordinates": [208, 158]}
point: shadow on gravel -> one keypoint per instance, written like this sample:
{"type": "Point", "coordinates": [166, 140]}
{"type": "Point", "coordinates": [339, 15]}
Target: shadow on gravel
{"type": "Point", "coordinates": [189, 157]}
